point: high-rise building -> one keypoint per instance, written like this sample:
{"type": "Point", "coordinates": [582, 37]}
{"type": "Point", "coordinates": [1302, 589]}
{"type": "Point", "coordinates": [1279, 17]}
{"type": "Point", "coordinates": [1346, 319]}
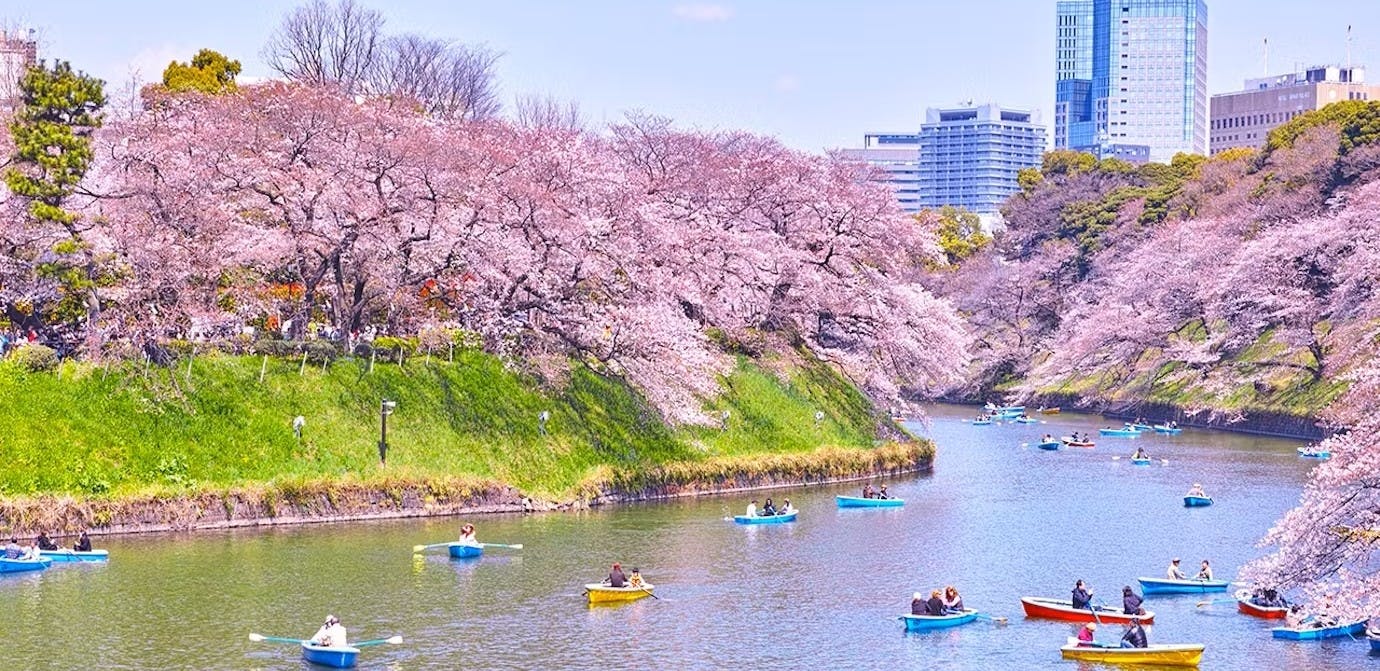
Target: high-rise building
{"type": "Point", "coordinates": [969, 156]}
{"type": "Point", "coordinates": [17, 54]}
{"type": "Point", "coordinates": [1131, 78]}
{"type": "Point", "coordinates": [965, 157]}
{"type": "Point", "coordinates": [897, 155]}
{"type": "Point", "coordinates": [1245, 118]}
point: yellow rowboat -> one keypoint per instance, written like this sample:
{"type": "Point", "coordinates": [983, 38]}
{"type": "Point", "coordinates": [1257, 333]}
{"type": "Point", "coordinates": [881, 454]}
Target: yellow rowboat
{"type": "Point", "coordinates": [1178, 654]}
{"type": "Point", "coordinates": [600, 593]}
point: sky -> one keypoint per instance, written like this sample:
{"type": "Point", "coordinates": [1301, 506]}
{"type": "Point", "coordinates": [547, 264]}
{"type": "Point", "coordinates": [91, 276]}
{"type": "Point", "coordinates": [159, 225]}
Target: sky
{"type": "Point", "coordinates": [816, 74]}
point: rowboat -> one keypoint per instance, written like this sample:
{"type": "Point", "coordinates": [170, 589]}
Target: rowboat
{"type": "Point", "coordinates": [464, 550]}
{"type": "Point", "coordinates": [60, 556]}
{"type": "Point", "coordinates": [1049, 411]}
{"type": "Point", "coordinates": [21, 565]}
{"type": "Point", "coordinates": [1170, 430]}
{"type": "Point", "coordinates": [1174, 654]}
{"type": "Point", "coordinates": [336, 658]}
{"type": "Point", "coordinates": [1310, 633]}
{"type": "Point", "coordinates": [1119, 433]}
{"type": "Point", "coordinates": [1140, 462]}
{"type": "Point", "coordinates": [1171, 586]}
{"type": "Point", "coordinates": [767, 519]}
{"type": "Point", "coordinates": [1068, 440]}
{"type": "Point", "coordinates": [1140, 427]}
{"type": "Point", "coordinates": [1266, 612]}
{"type": "Point", "coordinates": [860, 502]}
{"type": "Point", "coordinates": [1374, 641]}
{"type": "Point", "coordinates": [1049, 445]}
{"type": "Point", "coordinates": [1196, 501]}
{"type": "Point", "coordinates": [1060, 609]}
{"type": "Point", "coordinates": [601, 593]}
{"type": "Point", "coordinates": [1312, 453]}
{"type": "Point", "coordinates": [1025, 420]}
{"type": "Point", "coordinates": [982, 422]}
{"type": "Point", "coordinates": [926, 622]}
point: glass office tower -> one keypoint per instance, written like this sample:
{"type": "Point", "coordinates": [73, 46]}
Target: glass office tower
{"type": "Point", "coordinates": [1131, 78]}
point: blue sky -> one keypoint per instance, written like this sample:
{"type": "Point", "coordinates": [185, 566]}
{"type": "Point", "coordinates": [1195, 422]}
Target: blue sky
{"type": "Point", "coordinates": [816, 74]}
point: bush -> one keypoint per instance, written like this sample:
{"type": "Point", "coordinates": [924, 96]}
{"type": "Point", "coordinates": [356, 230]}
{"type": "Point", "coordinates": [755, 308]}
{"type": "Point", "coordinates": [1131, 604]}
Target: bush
{"type": "Point", "coordinates": [36, 358]}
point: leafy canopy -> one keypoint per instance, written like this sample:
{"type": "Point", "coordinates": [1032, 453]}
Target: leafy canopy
{"type": "Point", "coordinates": [210, 72]}
{"type": "Point", "coordinates": [960, 233]}
{"type": "Point", "coordinates": [52, 137]}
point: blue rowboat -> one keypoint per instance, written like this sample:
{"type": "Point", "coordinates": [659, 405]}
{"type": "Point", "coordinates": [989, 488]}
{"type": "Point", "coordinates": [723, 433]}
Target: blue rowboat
{"type": "Point", "coordinates": [927, 622]}
{"type": "Point", "coordinates": [1170, 430]}
{"type": "Point", "coordinates": [60, 556]}
{"type": "Point", "coordinates": [765, 519]}
{"type": "Point", "coordinates": [1307, 633]}
{"type": "Point", "coordinates": [1049, 445]}
{"type": "Point", "coordinates": [1374, 642]}
{"type": "Point", "coordinates": [1025, 420]}
{"type": "Point", "coordinates": [1197, 501]}
{"type": "Point", "coordinates": [336, 658]}
{"type": "Point", "coordinates": [1170, 586]}
{"type": "Point", "coordinates": [1119, 433]}
{"type": "Point", "coordinates": [981, 422]}
{"type": "Point", "coordinates": [1140, 462]}
{"type": "Point", "coordinates": [464, 550]}
{"type": "Point", "coordinates": [1139, 427]}
{"type": "Point", "coordinates": [21, 565]}
{"type": "Point", "coordinates": [859, 502]}
{"type": "Point", "coordinates": [1313, 453]}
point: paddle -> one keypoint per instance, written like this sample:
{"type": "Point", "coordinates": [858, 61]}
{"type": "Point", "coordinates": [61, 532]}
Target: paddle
{"type": "Point", "coordinates": [999, 621]}
{"type": "Point", "coordinates": [391, 640]}
{"type": "Point", "coordinates": [1209, 602]}
{"type": "Point", "coordinates": [260, 638]}
{"type": "Point", "coordinates": [424, 548]}
{"type": "Point", "coordinates": [649, 593]}
{"type": "Point", "coordinates": [514, 546]}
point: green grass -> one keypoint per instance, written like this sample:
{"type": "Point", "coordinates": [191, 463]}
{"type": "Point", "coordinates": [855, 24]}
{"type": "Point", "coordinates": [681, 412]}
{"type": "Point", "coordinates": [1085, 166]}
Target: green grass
{"type": "Point", "coordinates": [126, 431]}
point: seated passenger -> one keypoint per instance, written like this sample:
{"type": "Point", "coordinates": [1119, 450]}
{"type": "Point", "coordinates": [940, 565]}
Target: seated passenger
{"type": "Point", "coordinates": [953, 603]}
{"type": "Point", "coordinates": [935, 606]}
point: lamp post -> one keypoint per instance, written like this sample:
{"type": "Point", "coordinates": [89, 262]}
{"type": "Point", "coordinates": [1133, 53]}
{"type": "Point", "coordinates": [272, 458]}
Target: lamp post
{"type": "Point", "coordinates": [385, 409]}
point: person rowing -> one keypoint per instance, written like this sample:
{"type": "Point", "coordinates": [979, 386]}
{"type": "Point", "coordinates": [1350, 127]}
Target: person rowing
{"type": "Point", "coordinates": [881, 494]}
{"type": "Point", "coordinates": [768, 508]}
{"type": "Point", "coordinates": [1082, 596]}
{"type": "Point", "coordinates": [953, 603]}
{"type": "Point", "coordinates": [467, 535]}
{"type": "Point", "coordinates": [1173, 572]}
{"type": "Point", "coordinates": [1130, 601]}
{"type": "Point", "coordinates": [1140, 454]}
{"type": "Point", "coordinates": [83, 543]}
{"type": "Point", "coordinates": [331, 634]}
{"type": "Point", "coordinates": [616, 577]}
{"type": "Point", "coordinates": [1205, 572]}
{"type": "Point", "coordinates": [867, 491]}
{"type": "Point", "coordinates": [1135, 636]}
{"type": "Point", "coordinates": [1197, 490]}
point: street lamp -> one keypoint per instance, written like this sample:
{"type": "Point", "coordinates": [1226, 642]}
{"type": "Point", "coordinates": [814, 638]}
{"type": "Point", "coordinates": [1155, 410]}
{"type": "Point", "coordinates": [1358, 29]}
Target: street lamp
{"type": "Point", "coordinates": [385, 409]}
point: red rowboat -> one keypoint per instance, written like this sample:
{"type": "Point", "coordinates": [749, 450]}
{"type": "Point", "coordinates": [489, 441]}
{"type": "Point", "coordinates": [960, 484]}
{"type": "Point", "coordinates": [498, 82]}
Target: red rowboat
{"type": "Point", "coordinates": [1245, 606]}
{"type": "Point", "coordinates": [1058, 609]}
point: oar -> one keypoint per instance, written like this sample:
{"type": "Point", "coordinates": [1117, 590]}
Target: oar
{"type": "Point", "coordinates": [424, 548]}
{"type": "Point", "coordinates": [1209, 602]}
{"type": "Point", "coordinates": [514, 546]}
{"type": "Point", "coordinates": [649, 593]}
{"type": "Point", "coordinates": [260, 638]}
{"type": "Point", "coordinates": [999, 621]}
{"type": "Point", "coordinates": [391, 640]}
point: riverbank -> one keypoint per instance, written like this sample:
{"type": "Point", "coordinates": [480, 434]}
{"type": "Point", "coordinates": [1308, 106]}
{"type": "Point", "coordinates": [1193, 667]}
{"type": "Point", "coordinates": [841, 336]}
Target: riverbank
{"type": "Point", "coordinates": [209, 441]}
{"type": "Point", "coordinates": [346, 500]}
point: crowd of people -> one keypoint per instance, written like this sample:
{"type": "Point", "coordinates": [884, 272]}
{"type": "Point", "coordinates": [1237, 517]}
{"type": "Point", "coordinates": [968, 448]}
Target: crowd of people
{"type": "Point", "coordinates": [769, 509]}
{"type": "Point", "coordinates": [619, 579]}
{"type": "Point", "coordinates": [940, 603]}
{"type": "Point", "coordinates": [42, 543]}
{"type": "Point", "coordinates": [1175, 573]}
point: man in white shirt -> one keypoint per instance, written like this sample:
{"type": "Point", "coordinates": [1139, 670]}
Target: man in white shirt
{"type": "Point", "coordinates": [331, 634]}
{"type": "Point", "coordinates": [1174, 573]}
{"type": "Point", "coordinates": [752, 509]}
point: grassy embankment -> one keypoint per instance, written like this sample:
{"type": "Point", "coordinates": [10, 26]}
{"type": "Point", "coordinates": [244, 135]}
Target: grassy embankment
{"type": "Point", "coordinates": [88, 433]}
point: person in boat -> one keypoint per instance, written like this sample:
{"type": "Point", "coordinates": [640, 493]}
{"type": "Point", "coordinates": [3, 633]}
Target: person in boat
{"type": "Point", "coordinates": [1173, 572]}
{"type": "Point", "coordinates": [768, 508]}
{"type": "Point", "coordinates": [752, 509]}
{"type": "Point", "coordinates": [953, 603]}
{"type": "Point", "coordinates": [1134, 636]}
{"type": "Point", "coordinates": [635, 580]}
{"type": "Point", "coordinates": [1295, 618]}
{"type": "Point", "coordinates": [1173, 425]}
{"type": "Point", "coordinates": [1269, 598]}
{"type": "Point", "coordinates": [1204, 573]}
{"type": "Point", "coordinates": [867, 491]}
{"type": "Point", "coordinates": [12, 549]}
{"type": "Point", "coordinates": [1140, 454]}
{"type": "Point", "coordinates": [29, 551]}
{"type": "Point", "coordinates": [935, 606]}
{"type": "Point", "coordinates": [786, 508]}
{"type": "Point", "coordinates": [1087, 635]}
{"type": "Point", "coordinates": [467, 535]}
{"type": "Point", "coordinates": [1049, 439]}
{"type": "Point", "coordinates": [1130, 601]}
{"type": "Point", "coordinates": [45, 543]}
{"type": "Point", "coordinates": [83, 543]}
{"type": "Point", "coordinates": [331, 634]}
{"type": "Point", "coordinates": [616, 577]}
{"type": "Point", "coordinates": [917, 604]}
{"type": "Point", "coordinates": [1197, 490]}
{"type": "Point", "coordinates": [882, 493]}
{"type": "Point", "coordinates": [1082, 596]}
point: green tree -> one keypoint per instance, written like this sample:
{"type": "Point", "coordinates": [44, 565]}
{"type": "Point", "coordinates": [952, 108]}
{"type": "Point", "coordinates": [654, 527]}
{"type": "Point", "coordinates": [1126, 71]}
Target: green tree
{"type": "Point", "coordinates": [210, 72]}
{"type": "Point", "coordinates": [1066, 162]}
{"type": "Point", "coordinates": [1358, 121]}
{"type": "Point", "coordinates": [1029, 179]}
{"type": "Point", "coordinates": [52, 151]}
{"type": "Point", "coordinates": [960, 233]}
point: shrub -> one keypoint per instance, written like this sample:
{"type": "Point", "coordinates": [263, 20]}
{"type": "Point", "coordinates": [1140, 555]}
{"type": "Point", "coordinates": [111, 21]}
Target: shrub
{"type": "Point", "coordinates": [36, 358]}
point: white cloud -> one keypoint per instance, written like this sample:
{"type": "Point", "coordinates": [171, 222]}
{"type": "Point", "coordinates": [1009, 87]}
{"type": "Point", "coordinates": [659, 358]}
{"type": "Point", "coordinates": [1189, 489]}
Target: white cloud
{"type": "Point", "coordinates": [149, 63]}
{"type": "Point", "coordinates": [786, 83]}
{"type": "Point", "coordinates": [703, 13]}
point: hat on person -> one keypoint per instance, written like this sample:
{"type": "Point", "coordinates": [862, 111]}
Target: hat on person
{"type": "Point", "coordinates": [331, 619]}
{"type": "Point", "coordinates": [635, 570]}
{"type": "Point", "coordinates": [917, 595]}
{"type": "Point", "coordinates": [1090, 626]}
{"type": "Point", "coordinates": [1176, 560]}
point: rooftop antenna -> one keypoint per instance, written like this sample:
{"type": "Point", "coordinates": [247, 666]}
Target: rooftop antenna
{"type": "Point", "coordinates": [1348, 50]}
{"type": "Point", "coordinates": [1267, 57]}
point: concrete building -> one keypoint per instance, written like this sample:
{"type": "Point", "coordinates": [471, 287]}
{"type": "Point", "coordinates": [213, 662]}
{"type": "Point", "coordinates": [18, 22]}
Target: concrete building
{"type": "Point", "coordinates": [898, 156]}
{"type": "Point", "coordinates": [1245, 118]}
{"type": "Point", "coordinates": [1131, 78]}
{"type": "Point", "coordinates": [969, 156]}
{"type": "Point", "coordinates": [18, 52]}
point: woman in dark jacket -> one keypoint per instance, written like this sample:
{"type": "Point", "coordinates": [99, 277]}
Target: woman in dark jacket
{"type": "Point", "coordinates": [917, 604]}
{"type": "Point", "coordinates": [1082, 596]}
{"type": "Point", "coordinates": [1131, 601]}
{"type": "Point", "coordinates": [935, 606]}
